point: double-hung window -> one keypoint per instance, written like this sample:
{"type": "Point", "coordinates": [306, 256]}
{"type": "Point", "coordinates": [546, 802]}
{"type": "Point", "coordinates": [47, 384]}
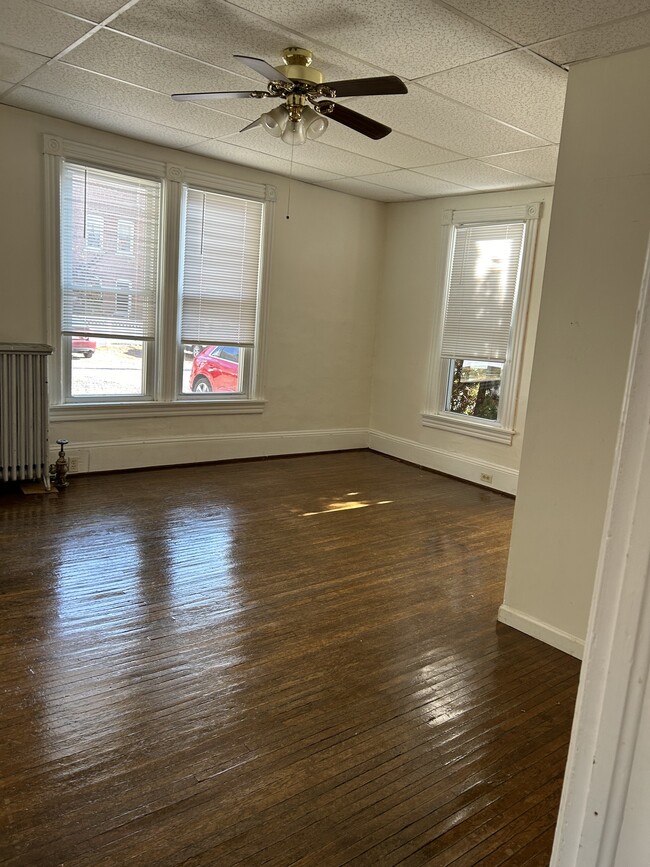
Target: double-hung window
{"type": "Point", "coordinates": [477, 350]}
{"type": "Point", "coordinates": [220, 268]}
{"type": "Point", "coordinates": [156, 276]}
{"type": "Point", "coordinates": [108, 302]}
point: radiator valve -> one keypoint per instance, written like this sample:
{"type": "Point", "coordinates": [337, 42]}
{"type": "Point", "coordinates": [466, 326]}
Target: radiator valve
{"type": "Point", "coordinates": [59, 470]}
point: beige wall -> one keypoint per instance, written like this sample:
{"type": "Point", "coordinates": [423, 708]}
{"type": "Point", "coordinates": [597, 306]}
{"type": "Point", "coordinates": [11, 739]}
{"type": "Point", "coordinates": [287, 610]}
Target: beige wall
{"type": "Point", "coordinates": [325, 270]}
{"type": "Point", "coordinates": [597, 246]}
{"type": "Point", "coordinates": [410, 306]}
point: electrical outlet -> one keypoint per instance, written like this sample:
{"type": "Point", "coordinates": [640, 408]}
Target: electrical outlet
{"type": "Point", "coordinates": [487, 478]}
{"type": "Point", "coordinates": [78, 460]}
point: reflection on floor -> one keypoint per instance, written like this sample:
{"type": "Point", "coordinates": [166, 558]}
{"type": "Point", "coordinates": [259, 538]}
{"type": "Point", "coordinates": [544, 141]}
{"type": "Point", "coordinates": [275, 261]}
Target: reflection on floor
{"type": "Point", "coordinates": [282, 661]}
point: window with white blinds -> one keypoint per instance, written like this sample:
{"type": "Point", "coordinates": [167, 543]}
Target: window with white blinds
{"type": "Point", "coordinates": [220, 268]}
{"type": "Point", "coordinates": [476, 356]}
{"type": "Point", "coordinates": [156, 273]}
{"type": "Point", "coordinates": [482, 289]}
{"type": "Point", "coordinates": [95, 206]}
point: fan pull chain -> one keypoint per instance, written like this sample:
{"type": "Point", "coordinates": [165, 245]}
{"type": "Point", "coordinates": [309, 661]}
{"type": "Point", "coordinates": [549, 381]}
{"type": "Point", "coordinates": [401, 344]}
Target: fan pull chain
{"type": "Point", "coordinates": [290, 183]}
{"type": "Point", "coordinates": [85, 203]}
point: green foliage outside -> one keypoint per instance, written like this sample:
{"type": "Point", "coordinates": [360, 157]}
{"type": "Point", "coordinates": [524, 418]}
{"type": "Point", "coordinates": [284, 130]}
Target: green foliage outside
{"type": "Point", "coordinates": [478, 397]}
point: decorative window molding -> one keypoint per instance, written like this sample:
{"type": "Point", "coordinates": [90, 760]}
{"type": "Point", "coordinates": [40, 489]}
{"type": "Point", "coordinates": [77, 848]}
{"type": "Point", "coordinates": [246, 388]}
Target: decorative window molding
{"type": "Point", "coordinates": [165, 391]}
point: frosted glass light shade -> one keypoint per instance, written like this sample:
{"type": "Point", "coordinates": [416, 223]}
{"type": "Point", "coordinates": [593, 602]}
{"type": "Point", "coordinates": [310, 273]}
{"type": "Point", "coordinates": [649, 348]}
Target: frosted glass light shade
{"type": "Point", "coordinates": [294, 132]}
{"type": "Point", "coordinates": [275, 121]}
{"type": "Point", "coordinates": [315, 123]}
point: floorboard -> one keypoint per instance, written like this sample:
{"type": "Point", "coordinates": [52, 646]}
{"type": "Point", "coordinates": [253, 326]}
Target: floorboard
{"type": "Point", "coordinates": [280, 662]}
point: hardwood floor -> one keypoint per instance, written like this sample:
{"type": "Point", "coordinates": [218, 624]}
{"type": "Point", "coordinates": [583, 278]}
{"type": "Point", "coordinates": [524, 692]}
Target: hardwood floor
{"type": "Point", "coordinates": [291, 661]}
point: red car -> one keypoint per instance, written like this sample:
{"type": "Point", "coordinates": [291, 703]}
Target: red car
{"type": "Point", "coordinates": [85, 346]}
{"type": "Point", "coordinates": [215, 369]}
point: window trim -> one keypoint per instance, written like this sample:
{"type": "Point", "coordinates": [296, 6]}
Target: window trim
{"type": "Point", "coordinates": [164, 397]}
{"type": "Point", "coordinates": [435, 415]}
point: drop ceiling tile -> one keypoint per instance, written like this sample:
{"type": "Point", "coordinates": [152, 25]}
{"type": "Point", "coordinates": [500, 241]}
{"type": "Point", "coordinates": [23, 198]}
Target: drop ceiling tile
{"type": "Point", "coordinates": [517, 87]}
{"type": "Point", "coordinates": [312, 175]}
{"type": "Point", "coordinates": [136, 62]}
{"type": "Point", "coordinates": [430, 117]}
{"type": "Point", "coordinates": [529, 21]}
{"type": "Point", "coordinates": [15, 63]}
{"type": "Point", "coordinates": [93, 89]}
{"type": "Point", "coordinates": [599, 41]}
{"type": "Point", "coordinates": [343, 163]}
{"type": "Point", "coordinates": [417, 184]}
{"type": "Point", "coordinates": [410, 39]}
{"type": "Point", "coordinates": [39, 29]}
{"type": "Point", "coordinates": [366, 190]}
{"type": "Point", "coordinates": [233, 150]}
{"type": "Point", "coordinates": [89, 115]}
{"type": "Point", "coordinates": [395, 149]}
{"type": "Point", "coordinates": [214, 31]}
{"type": "Point", "coordinates": [478, 175]}
{"type": "Point", "coordinates": [313, 153]}
{"type": "Point", "coordinates": [229, 152]}
{"type": "Point", "coordinates": [538, 163]}
{"type": "Point", "coordinates": [92, 10]}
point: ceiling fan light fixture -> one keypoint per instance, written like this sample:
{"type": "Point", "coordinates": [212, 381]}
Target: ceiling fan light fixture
{"type": "Point", "coordinates": [274, 122]}
{"type": "Point", "coordinates": [298, 83]}
{"type": "Point", "coordinates": [315, 123]}
{"type": "Point", "coordinates": [294, 132]}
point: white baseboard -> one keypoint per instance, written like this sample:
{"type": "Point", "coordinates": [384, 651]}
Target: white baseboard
{"type": "Point", "coordinates": [100, 456]}
{"type": "Point", "coordinates": [94, 457]}
{"type": "Point", "coordinates": [544, 631]}
{"type": "Point", "coordinates": [504, 479]}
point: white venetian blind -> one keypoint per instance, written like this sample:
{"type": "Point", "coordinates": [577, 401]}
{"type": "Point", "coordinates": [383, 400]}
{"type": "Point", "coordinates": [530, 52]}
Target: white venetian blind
{"type": "Point", "coordinates": [107, 289]}
{"type": "Point", "coordinates": [220, 268]}
{"type": "Point", "coordinates": [482, 290]}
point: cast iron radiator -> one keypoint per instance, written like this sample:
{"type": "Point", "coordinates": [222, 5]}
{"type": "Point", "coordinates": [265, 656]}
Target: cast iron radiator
{"type": "Point", "coordinates": [23, 412]}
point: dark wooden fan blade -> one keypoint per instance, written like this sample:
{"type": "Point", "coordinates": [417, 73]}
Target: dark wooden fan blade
{"type": "Point", "coordinates": [226, 94]}
{"type": "Point", "coordinates": [384, 84]}
{"type": "Point", "coordinates": [358, 122]}
{"type": "Point", "coordinates": [262, 68]}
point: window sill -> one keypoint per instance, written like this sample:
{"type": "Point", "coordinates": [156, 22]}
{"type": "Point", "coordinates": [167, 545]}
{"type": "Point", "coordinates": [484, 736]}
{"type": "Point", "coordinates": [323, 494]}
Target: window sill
{"type": "Point", "coordinates": [471, 428]}
{"type": "Point", "coordinates": [152, 409]}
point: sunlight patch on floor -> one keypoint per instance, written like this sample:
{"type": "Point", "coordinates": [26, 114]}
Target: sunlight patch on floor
{"type": "Point", "coordinates": [345, 505]}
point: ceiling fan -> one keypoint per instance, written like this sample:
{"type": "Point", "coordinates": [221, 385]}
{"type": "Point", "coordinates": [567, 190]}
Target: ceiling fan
{"type": "Point", "coordinates": [307, 98]}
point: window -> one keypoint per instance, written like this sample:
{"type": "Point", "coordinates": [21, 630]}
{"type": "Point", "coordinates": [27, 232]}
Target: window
{"type": "Point", "coordinates": [121, 363]}
{"type": "Point", "coordinates": [156, 276]}
{"type": "Point", "coordinates": [94, 232]}
{"type": "Point", "coordinates": [477, 353]}
{"type": "Point", "coordinates": [125, 237]}
{"type": "Point", "coordinates": [220, 273]}
{"type": "Point", "coordinates": [123, 298]}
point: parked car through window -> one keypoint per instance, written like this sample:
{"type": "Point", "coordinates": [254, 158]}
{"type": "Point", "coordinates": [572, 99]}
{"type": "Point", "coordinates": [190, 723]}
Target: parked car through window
{"type": "Point", "coordinates": [216, 369]}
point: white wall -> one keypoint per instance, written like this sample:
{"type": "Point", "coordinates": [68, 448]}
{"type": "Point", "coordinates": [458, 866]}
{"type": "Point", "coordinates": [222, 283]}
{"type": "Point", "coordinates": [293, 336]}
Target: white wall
{"type": "Point", "coordinates": [410, 307]}
{"type": "Point", "coordinates": [594, 264]}
{"type": "Point", "coordinates": [325, 270]}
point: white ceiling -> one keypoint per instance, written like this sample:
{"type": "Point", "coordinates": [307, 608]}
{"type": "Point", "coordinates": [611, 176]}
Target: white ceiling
{"type": "Point", "coordinates": [485, 77]}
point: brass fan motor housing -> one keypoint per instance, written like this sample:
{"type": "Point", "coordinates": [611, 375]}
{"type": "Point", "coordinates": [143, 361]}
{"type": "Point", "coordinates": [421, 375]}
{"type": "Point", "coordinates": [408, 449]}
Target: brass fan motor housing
{"type": "Point", "coordinates": [297, 66]}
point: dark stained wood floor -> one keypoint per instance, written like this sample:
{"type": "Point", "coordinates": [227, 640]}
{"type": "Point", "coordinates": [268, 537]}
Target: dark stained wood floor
{"type": "Point", "coordinates": [231, 665]}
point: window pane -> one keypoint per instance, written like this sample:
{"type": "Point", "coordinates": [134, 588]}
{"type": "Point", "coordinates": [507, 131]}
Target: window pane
{"type": "Point", "coordinates": [212, 369]}
{"type": "Point", "coordinates": [105, 366]}
{"type": "Point", "coordinates": [482, 290]}
{"type": "Point", "coordinates": [220, 267]}
{"type": "Point", "coordinates": [474, 388]}
{"type": "Point", "coordinates": [109, 241]}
